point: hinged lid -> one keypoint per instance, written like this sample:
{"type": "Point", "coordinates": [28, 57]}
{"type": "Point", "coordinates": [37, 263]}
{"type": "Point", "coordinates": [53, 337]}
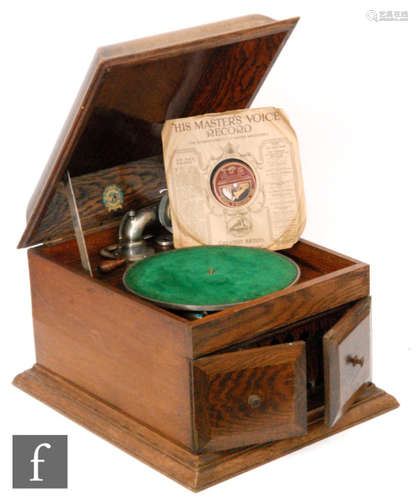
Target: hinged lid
{"type": "Point", "coordinates": [129, 91]}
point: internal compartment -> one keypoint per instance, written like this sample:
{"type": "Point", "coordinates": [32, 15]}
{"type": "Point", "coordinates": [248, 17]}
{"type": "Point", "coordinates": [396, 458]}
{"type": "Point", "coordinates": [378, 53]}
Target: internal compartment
{"type": "Point", "coordinates": [311, 331]}
{"type": "Point", "coordinates": [314, 262]}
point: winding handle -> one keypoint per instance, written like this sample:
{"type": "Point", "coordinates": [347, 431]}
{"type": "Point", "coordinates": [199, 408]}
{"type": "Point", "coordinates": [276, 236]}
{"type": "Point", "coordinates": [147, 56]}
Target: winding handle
{"type": "Point", "coordinates": [107, 266]}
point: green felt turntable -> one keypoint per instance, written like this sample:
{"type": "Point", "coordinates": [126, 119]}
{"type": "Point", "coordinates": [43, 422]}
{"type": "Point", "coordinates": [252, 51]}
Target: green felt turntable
{"type": "Point", "coordinates": [210, 278]}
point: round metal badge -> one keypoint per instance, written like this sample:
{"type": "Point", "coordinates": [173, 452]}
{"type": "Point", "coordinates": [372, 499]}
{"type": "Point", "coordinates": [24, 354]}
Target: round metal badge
{"type": "Point", "coordinates": [233, 182]}
{"type": "Point", "coordinates": [112, 197]}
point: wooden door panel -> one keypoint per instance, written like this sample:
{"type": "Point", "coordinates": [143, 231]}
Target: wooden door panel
{"type": "Point", "coordinates": [250, 396]}
{"type": "Point", "coordinates": [347, 359]}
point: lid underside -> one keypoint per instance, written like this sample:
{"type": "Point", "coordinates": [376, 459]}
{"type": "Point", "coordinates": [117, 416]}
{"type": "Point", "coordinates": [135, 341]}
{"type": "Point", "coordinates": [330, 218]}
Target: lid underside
{"type": "Point", "coordinates": [133, 87]}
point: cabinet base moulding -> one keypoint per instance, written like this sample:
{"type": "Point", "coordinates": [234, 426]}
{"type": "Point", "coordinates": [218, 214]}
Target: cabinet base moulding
{"type": "Point", "coordinates": [194, 471]}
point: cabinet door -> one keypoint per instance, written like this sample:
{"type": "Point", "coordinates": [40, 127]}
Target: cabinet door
{"type": "Point", "coordinates": [347, 360]}
{"type": "Point", "coordinates": [249, 396]}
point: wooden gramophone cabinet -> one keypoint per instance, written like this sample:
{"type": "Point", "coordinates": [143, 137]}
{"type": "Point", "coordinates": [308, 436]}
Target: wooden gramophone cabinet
{"type": "Point", "coordinates": [202, 399]}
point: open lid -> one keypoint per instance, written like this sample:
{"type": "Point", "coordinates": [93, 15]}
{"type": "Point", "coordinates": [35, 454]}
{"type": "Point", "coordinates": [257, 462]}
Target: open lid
{"type": "Point", "coordinates": [132, 88]}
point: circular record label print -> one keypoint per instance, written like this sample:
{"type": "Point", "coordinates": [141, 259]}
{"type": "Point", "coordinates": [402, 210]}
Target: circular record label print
{"type": "Point", "coordinates": [233, 182]}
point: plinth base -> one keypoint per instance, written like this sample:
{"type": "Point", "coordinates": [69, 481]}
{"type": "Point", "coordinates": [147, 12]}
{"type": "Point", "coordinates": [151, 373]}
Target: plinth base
{"type": "Point", "coordinates": [193, 471]}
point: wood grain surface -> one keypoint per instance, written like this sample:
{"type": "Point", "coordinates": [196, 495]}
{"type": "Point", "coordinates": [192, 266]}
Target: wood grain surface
{"type": "Point", "coordinates": [311, 331]}
{"type": "Point", "coordinates": [132, 88]}
{"type": "Point", "coordinates": [136, 355]}
{"type": "Point", "coordinates": [140, 183]}
{"type": "Point", "coordinates": [250, 396]}
{"type": "Point", "coordinates": [302, 300]}
{"type": "Point", "coordinates": [327, 280]}
{"type": "Point", "coordinates": [113, 346]}
{"type": "Point", "coordinates": [194, 471]}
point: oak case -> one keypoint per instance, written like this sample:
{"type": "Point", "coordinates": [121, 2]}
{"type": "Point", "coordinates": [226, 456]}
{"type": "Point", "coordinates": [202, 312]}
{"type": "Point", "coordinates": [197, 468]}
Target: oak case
{"type": "Point", "coordinates": [204, 399]}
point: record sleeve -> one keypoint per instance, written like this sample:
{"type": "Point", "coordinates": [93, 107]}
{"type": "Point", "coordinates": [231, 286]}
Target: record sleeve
{"type": "Point", "coordinates": [234, 179]}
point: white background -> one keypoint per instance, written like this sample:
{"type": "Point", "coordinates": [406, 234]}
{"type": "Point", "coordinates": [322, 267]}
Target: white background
{"type": "Point", "coordinates": [349, 86]}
